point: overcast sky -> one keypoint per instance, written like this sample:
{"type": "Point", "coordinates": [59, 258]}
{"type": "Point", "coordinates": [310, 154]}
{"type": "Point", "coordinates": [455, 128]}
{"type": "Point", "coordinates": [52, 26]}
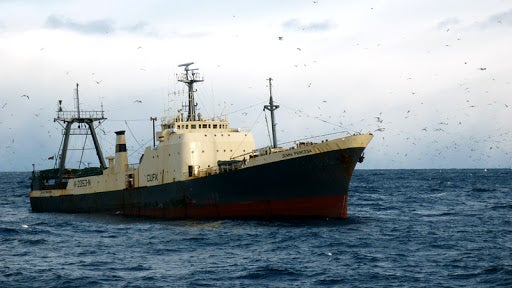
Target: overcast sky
{"type": "Point", "coordinates": [431, 79]}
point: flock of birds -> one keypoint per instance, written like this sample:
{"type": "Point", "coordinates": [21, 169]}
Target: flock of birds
{"type": "Point", "coordinates": [450, 142]}
{"type": "Point", "coordinates": [395, 135]}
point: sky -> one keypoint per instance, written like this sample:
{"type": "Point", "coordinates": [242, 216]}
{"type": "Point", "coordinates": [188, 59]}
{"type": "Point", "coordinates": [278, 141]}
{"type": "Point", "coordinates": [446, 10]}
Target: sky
{"type": "Point", "coordinates": [432, 80]}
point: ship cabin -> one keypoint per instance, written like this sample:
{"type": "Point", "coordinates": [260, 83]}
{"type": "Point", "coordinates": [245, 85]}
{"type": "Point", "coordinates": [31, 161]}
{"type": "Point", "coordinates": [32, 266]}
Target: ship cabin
{"type": "Point", "coordinates": [178, 124]}
{"type": "Point", "coordinates": [191, 149]}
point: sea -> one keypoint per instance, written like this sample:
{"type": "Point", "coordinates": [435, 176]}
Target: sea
{"type": "Point", "coordinates": [406, 228]}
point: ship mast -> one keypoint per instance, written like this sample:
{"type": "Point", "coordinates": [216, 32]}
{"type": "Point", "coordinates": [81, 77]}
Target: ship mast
{"type": "Point", "coordinates": [67, 118]}
{"type": "Point", "coordinates": [189, 78]}
{"type": "Point", "coordinates": [271, 107]}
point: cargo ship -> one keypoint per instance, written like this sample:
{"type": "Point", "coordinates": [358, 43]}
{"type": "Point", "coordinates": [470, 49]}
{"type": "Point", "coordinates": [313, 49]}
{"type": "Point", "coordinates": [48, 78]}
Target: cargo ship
{"type": "Point", "coordinates": [200, 169]}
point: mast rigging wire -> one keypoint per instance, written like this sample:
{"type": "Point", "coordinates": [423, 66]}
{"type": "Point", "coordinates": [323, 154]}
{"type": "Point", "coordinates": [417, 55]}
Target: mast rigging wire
{"type": "Point", "coordinates": [82, 154]}
{"type": "Point", "coordinates": [317, 118]}
{"type": "Point", "coordinates": [131, 132]}
{"type": "Point", "coordinates": [250, 130]}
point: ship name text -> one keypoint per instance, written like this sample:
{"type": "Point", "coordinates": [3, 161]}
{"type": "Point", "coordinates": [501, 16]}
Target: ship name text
{"type": "Point", "coordinates": [152, 177]}
{"type": "Point", "coordinates": [296, 153]}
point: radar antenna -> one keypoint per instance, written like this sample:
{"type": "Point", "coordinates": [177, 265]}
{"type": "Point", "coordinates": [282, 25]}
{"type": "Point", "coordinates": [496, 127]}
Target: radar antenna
{"type": "Point", "coordinates": [189, 78]}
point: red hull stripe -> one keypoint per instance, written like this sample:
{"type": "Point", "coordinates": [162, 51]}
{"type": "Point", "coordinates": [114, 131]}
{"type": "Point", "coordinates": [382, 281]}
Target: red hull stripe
{"type": "Point", "coordinates": [327, 207]}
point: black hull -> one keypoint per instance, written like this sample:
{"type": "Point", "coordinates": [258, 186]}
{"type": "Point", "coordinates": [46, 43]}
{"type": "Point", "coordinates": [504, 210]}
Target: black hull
{"type": "Point", "coordinates": [309, 186]}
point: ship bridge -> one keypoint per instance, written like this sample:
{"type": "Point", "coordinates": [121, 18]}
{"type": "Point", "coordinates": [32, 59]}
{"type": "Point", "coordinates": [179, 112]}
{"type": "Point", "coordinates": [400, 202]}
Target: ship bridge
{"type": "Point", "coordinates": [178, 126]}
{"type": "Point", "coordinates": [190, 144]}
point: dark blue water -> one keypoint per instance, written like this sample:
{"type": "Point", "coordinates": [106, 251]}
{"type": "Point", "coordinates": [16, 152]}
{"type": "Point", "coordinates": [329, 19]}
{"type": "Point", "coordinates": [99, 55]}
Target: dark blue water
{"type": "Point", "coordinates": [406, 228]}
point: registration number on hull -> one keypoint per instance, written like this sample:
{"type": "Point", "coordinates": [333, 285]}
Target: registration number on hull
{"type": "Point", "coordinates": [82, 183]}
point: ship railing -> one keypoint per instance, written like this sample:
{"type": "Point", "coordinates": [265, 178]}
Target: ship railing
{"type": "Point", "coordinates": [77, 131]}
{"type": "Point", "coordinates": [212, 170]}
{"type": "Point", "coordinates": [95, 115]}
{"type": "Point", "coordinates": [266, 151]}
{"type": "Point", "coordinates": [304, 144]}
{"type": "Point", "coordinates": [50, 178]}
{"type": "Point", "coordinates": [47, 180]}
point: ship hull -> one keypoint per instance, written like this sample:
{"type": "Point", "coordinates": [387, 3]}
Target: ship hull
{"type": "Point", "coordinates": [309, 186]}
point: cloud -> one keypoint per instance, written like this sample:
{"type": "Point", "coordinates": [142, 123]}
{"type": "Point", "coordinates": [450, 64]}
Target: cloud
{"type": "Point", "coordinates": [194, 34]}
{"type": "Point", "coordinates": [446, 23]}
{"type": "Point", "coordinates": [142, 28]}
{"type": "Point", "coordinates": [107, 26]}
{"type": "Point", "coordinates": [101, 26]}
{"type": "Point", "coordinates": [496, 20]}
{"type": "Point", "coordinates": [139, 27]}
{"type": "Point", "coordinates": [297, 25]}
{"type": "Point", "coordinates": [504, 18]}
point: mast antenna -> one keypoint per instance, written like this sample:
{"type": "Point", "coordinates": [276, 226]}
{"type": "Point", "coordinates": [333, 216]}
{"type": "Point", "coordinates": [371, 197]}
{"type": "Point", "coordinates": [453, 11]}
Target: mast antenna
{"type": "Point", "coordinates": [77, 101]}
{"type": "Point", "coordinates": [271, 107]}
{"type": "Point", "coordinates": [189, 78]}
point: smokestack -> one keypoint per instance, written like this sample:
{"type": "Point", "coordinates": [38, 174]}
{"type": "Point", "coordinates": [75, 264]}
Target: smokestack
{"type": "Point", "coordinates": [121, 159]}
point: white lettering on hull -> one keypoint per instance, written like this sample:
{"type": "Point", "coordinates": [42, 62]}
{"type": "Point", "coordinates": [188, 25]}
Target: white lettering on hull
{"type": "Point", "coordinates": [296, 153]}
